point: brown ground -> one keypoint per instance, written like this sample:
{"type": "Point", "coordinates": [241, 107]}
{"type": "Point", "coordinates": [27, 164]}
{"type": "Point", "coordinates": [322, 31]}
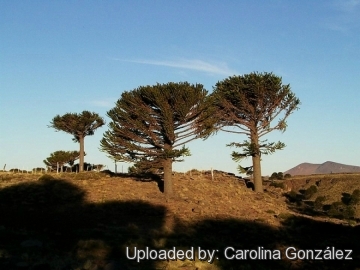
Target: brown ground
{"type": "Point", "coordinates": [86, 221]}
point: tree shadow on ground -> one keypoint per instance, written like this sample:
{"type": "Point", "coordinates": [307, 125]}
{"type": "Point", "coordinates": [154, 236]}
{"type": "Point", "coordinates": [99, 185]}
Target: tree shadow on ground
{"type": "Point", "coordinates": [49, 225]}
{"type": "Point", "coordinates": [298, 232]}
{"type": "Point", "coordinates": [142, 177]}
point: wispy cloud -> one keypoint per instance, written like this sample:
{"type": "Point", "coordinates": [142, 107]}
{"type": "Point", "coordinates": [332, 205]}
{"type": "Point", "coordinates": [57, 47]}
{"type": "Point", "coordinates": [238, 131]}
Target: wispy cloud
{"type": "Point", "coordinates": [104, 103]}
{"type": "Point", "coordinates": [348, 5]}
{"type": "Point", "coordinates": [337, 26]}
{"type": "Point", "coordinates": [347, 18]}
{"type": "Point", "coordinates": [193, 64]}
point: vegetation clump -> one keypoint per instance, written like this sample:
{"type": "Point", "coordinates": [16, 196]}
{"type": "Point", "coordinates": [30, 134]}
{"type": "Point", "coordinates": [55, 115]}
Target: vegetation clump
{"type": "Point", "coordinates": [38, 170]}
{"type": "Point", "coordinates": [310, 192]}
{"type": "Point", "coordinates": [279, 176]}
{"type": "Point", "coordinates": [351, 199]}
{"type": "Point", "coordinates": [341, 211]}
{"type": "Point", "coordinates": [278, 185]}
{"type": "Point", "coordinates": [16, 170]}
{"type": "Point", "coordinates": [319, 202]}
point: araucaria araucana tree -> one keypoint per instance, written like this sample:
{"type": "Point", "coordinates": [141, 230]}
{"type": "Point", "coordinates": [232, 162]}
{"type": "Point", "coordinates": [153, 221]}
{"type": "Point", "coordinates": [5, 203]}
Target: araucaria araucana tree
{"type": "Point", "coordinates": [80, 126]}
{"type": "Point", "coordinates": [58, 159]}
{"type": "Point", "coordinates": [151, 124]}
{"type": "Point", "coordinates": [248, 104]}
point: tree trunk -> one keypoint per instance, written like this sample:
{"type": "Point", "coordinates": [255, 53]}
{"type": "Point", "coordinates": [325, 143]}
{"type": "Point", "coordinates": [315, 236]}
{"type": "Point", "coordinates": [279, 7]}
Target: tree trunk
{"type": "Point", "coordinates": [81, 159]}
{"type": "Point", "coordinates": [168, 185]}
{"type": "Point", "coordinates": [256, 164]}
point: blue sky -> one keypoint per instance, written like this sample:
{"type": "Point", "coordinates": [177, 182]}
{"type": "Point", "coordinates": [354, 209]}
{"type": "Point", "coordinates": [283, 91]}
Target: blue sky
{"type": "Point", "coordinates": [69, 56]}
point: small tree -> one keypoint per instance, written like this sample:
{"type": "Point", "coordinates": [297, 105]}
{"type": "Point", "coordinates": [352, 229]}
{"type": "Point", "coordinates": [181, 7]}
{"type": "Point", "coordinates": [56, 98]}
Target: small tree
{"type": "Point", "coordinates": [98, 167]}
{"type": "Point", "coordinates": [61, 158]}
{"type": "Point", "coordinates": [274, 176]}
{"type": "Point", "coordinates": [152, 124]}
{"type": "Point", "coordinates": [249, 104]}
{"type": "Point", "coordinates": [78, 125]}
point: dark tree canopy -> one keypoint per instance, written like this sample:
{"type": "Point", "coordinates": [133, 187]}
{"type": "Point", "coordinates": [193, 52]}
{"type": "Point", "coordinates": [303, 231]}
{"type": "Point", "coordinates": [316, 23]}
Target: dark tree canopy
{"type": "Point", "coordinates": [60, 158]}
{"type": "Point", "coordinates": [78, 125]}
{"type": "Point", "coordinates": [248, 105]}
{"type": "Point", "coordinates": [146, 166]}
{"type": "Point", "coordinates": [152, 124]}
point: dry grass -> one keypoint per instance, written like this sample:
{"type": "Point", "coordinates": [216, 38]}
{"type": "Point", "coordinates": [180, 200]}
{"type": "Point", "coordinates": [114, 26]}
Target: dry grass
{"type": "Point", "coordinates": [86, 221]}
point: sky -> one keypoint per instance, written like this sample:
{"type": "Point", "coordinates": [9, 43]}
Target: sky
{"type": "Point", "coordinates": [69, 56]}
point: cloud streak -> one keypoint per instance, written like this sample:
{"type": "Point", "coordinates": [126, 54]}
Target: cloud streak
{"type": "Point", "coordinates": [104, 103]}
{"type": "Point", "coordinates": [192, 64]}
{"type": "Point", "coordinates": [348, 5]}
{"type": "Point", "coordinates": [346, 18]}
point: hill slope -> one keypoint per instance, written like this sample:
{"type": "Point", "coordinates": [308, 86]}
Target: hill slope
{"type": "Point", "coordinates": [324, 168]}
{"type": "Point", "coordinates": [89, 220]}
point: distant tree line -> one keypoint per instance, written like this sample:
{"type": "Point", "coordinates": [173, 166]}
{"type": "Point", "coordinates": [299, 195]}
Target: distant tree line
{"type": "Point", "coordinates": [279, 176]}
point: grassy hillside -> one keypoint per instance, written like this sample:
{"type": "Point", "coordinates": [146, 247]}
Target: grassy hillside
{"type": "Point", "coordinates": [87, 220]}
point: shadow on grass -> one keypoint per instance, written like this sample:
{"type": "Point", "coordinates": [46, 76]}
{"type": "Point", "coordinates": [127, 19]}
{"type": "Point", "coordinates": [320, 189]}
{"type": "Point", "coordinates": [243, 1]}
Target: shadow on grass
{"type": "Point", "coordinates": [49, 225]}
{"type": "Point", "coordinates": [51, 219]}
{"type": "Point", "coordinates": [142, 177]}
{"type": "Point", "coordinates": [298, 232]}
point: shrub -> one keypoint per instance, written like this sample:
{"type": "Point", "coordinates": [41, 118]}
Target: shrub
{"type": "Point", "coordinates": [292, 196]}
{"type": "Point", "coordinates": [346, 198]}
{"type": "Point", "coordinates": [38, 169]}
{"type": "Point", "coordinates": [309, 192]}
{"type": "Point", "coordinates": [341, 211]}
{"type": "Point", "coordinates": [318, 204]}
{"type": "Point", "coordinates": [274, 176]}
{"type": "Point", "coordinates": [355, 197]}
{"type": "Point", "coordinates": [277, 176]}
{"type": "Point", "coordinates": [278, 185]}
{"type": "Point", "coordinates": [351, 199]}
{"type": "Point", "coordinates": [288, 175]}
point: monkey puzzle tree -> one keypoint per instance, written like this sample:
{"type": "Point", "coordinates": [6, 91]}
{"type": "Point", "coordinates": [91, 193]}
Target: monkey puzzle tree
{"type": "Point", "coordinates": [248, 104]}
{"type": "Point", "coordinates": [60, 158]}
{"type": "Point", "coordinates": [150, 123]}
{"type": "Point", "coordinates": [80, 126]}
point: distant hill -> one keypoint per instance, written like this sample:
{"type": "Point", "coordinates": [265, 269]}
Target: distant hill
{"type": "Point", "coordinates": [325, 168]}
